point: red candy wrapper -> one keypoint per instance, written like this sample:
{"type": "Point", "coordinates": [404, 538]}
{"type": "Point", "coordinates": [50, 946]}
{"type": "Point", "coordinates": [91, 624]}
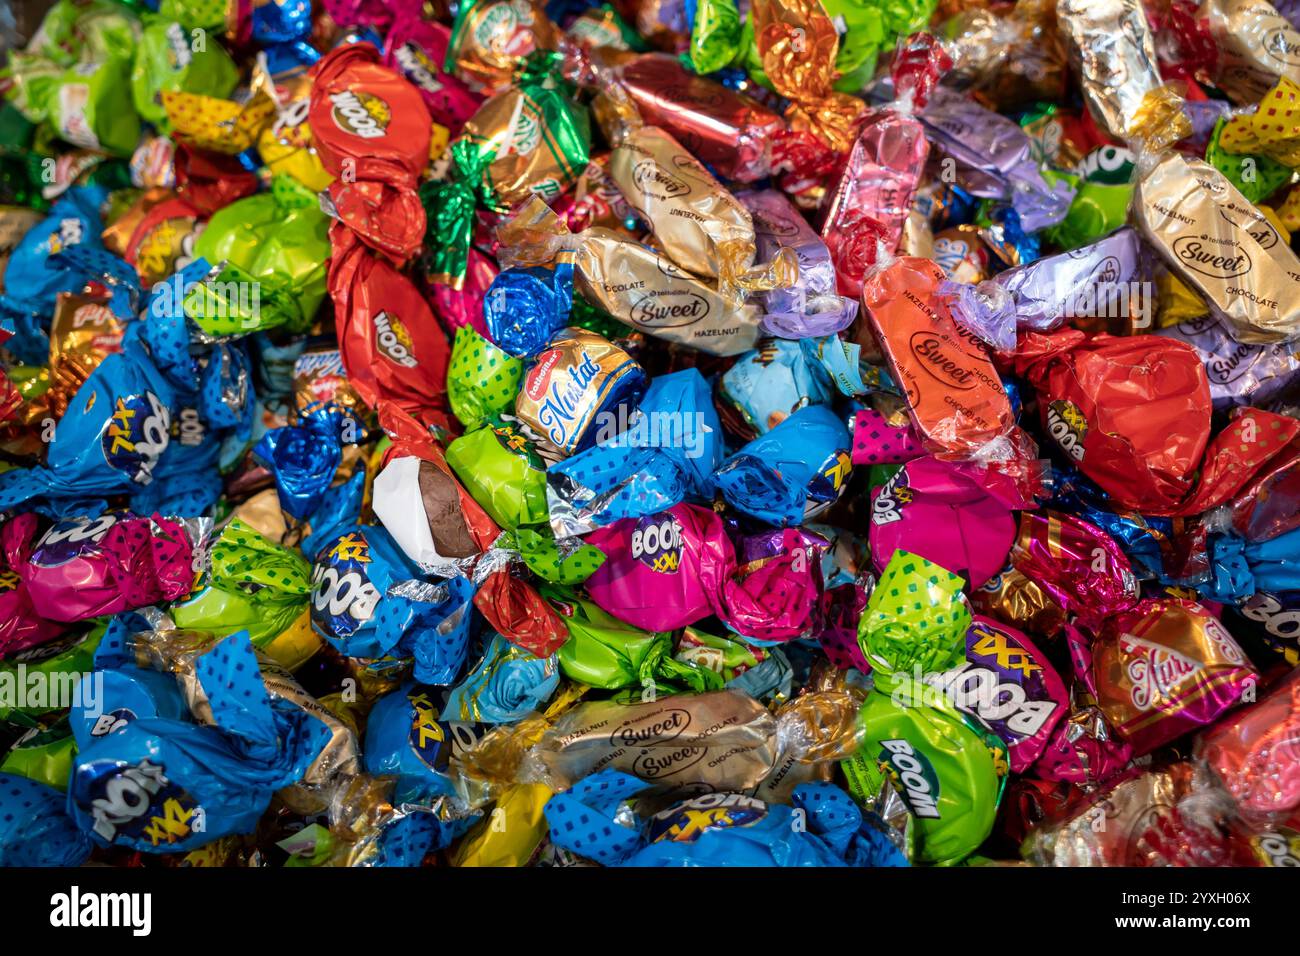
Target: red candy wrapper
{"type": "Point", "coordinates": [1075, 562]}
{"type": "Point", "coordinates": [372, 132]}
{"type": "Point", "coordinates": [1162, 668]}
{"type": "Point", "coordinates": [1134, 414]}
{"type": "Point", "coordinates": [392, 348]}
{"type": "Point", "coordinates": [519, 614]}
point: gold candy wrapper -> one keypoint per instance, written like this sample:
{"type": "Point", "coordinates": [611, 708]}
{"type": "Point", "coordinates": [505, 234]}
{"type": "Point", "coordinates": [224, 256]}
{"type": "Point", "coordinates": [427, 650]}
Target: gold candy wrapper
{"type": "Point", "coordinates": [511, 833]}
{"type": "Point", "coordinates": [82, 334]}
{"type": "Point", "coordinates": [492, 39]}
{"type": "Point", "coordinates": [1221, 246]}
{"type": "Point", "coordinates": [634, 284]}
{"type": "Point", "coordinates": [1257, 46]}
{"type": "Point", "coordinates": [701, 226]}
{"type": "Point", "coordinates": [1111, 44]}
{"type": "Point", "coordinates": [1014, 599]}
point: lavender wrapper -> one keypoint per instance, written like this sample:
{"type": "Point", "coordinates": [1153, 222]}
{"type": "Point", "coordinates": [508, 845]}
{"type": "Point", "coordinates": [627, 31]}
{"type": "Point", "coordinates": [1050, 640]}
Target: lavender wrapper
{"type": "Point", "coordinates": [1239, 374]}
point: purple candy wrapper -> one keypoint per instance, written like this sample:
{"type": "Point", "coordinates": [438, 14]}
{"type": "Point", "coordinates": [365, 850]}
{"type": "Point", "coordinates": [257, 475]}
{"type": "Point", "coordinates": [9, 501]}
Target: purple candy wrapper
{"type": "Point", "coordinates": [1239, 374]}
{"type": "Point", "coordinates": [996, 147]}
{"type": "Point", "coordinates": [810, 308]}
{"type": "Point", "coordinates": [1095, 279]}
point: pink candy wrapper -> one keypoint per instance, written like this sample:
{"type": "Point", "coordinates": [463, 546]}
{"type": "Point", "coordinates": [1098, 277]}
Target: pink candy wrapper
{"type": "Point", "coordinates": [20, 626]}
{"type": "Point", "coordinates": [877, 443]}
{"type": "Point", "coordinates": [89, 567]}
{"type": "Point", "coordinates": [416, 49]}
{"type": "Point", "coordinates": [938, 510]}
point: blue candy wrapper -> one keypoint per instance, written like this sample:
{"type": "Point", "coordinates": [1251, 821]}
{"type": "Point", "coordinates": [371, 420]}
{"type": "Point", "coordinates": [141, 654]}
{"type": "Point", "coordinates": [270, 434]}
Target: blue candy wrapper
{"type": "Point", "coordinates": [304, 457]}
{"type": "Point", "coordinates": [792, 472]}
{"type": "Point", "coordinates": [524, 307]}
{"type": "Point", "coordinates": [35, 830]}
{"type": "Point", "coordinates": [506, 685]}
{"type": "Point", "coordinates": [780, 377]}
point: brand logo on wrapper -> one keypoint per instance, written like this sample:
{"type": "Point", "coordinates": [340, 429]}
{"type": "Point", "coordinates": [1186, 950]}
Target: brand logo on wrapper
{"type": "Point", "coordinates": [417, 66]}
{"type": "Point", "coordinates": [1068, 427]}
{"type": "Point", "coordinates": [1283, 45]}
{"type": "Point", "coordinates": [394, 341]}
{"type": "Point", "coordinates": [427, 735]}
{"type": "Point", "coordinates": [1200, 255]}
{"type": "Point", "coordinates": [664, 312]}
{"type": "Point", "coordinates": [915, 776]}
{"type": "Point", "coordinates": [686, 821]}
{"type": "Point", "coordinates": [342, 597]}
{"type": "Point", "coordinates": [657, 728]}
{"type": "Point", "coordinates": [657, 543]}
{"type": "Point", "coordinates": [361, 114]}
{"type": "Point", "coordinates": [653, 180]}
{"type": "Point", "coordinates": [942, 363]}
{"type": "Point", "coordinates": [71, 538]}
{"type": "Point", "coordinates": [496, 30]}
{"type": "Point", "coordinates": [136, 436]}
{"type": "Point", "coordinates": [135, 800]}
{"type": "Point", "coordinates": [1155, 671]}
{"type": "Point", "coordinates": [662, 762]}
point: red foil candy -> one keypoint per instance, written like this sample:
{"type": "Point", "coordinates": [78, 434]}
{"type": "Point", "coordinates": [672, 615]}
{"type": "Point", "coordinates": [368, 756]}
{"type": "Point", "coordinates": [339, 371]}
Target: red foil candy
{"type": "Point", "coordinates": [372, 132]}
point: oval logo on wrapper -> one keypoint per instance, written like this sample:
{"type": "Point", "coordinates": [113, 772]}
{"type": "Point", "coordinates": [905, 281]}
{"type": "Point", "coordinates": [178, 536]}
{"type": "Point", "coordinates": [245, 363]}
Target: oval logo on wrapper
{"type": "Point", "coordinates": [540, 374]}
{"type": "Point", "coordinates": [657, 543]}
{"type": "Point", "coordinates": [653, 729]}
{"type": "Point", "coordinates": [343, 599]}
{"type": "Point", "coordinates": [394, 341]}
{"type": "Point", "coordinates": [1200, 255]}
{"type": "Point", "coordinates": [653, 180]}
{"type": "Point", "coordinates": [943, 364]}
{"type": "Point", "coordinates": [361, 114]}
{"type": "Point", "coordinates": [1283, 45]}
{"type": "Point", "coordinates": [136, 435]}
{"type": "Point", "coordinates": [667, 312]}
{"type": "Point", "coordinates": [661, 762]}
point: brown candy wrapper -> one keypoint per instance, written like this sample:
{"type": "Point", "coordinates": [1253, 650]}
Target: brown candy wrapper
{"type": "Point", "coordinates": [1257, 46]}
{"type": "Point", "coordinates": [1221, 246]}
{"type": "Point", "coordinates": [82, 334]}
{"type": "Point", "coordinates": [1014, 599]}
{"type": "Point", "coordinates": [1113, 49]}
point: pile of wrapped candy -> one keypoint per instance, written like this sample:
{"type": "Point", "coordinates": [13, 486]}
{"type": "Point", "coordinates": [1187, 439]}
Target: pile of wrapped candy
{"type": "Point", "coordinates": [654, 432]}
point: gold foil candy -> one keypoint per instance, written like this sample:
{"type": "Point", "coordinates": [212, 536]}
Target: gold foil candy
{"type": "Point", "coordinates": [495, 37]}
{"type": "Point", "coordinates": [1111, 43]}
{"type": "Point", "coordinates": [1257, 46]}
{"type": "Point", "coordinates": [1221, 246]}
{"type": "Point", "coordinates": [511, 834]}
{"type": "Point", "coordinates": [1160, 121]}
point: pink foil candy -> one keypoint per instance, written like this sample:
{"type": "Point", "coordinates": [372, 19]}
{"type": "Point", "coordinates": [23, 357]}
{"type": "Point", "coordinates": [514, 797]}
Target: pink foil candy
{"type": "Point", "coordinates": [20, 626]}
{"type": "Point", "coordinates": [875, 442]}
{"type": "Point", "coordinates": [88, 567]}
{"type": "Point", "coordinates": [776, 589]}
{"type": "Point", "coordinates": [464, 306]}
{"type": "Point", "coordinates": [842, 607]}
{"type": "Point", "coordinates": [1256, 754]}
{"type": "Point", "coordinates": [661, 572]}
{"type": "Point", "coordinates": [416, 49]}
{"type": "Point", "coordinates": [1076, 563]}
{"type": "Point", "coordinates": [937, 510]}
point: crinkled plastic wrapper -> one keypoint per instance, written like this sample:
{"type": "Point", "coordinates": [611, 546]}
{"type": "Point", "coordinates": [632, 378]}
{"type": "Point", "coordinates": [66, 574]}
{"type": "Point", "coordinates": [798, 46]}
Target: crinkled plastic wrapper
{"type": "Point", "coordinates": [1257, 46]}
{"type": "Point", "coordinates": [1111, 42]}
{"type": "Point", "coordinates": [1222, 246]}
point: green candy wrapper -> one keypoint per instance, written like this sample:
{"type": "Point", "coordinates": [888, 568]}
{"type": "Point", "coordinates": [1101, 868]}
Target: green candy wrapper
{"type": "Point", "coordinates": [169, 58]}
{"type": "Point", "coordinates": [1257, 177]}
{"type": "Point", "coordinates": [1097, 211]}
{"type": "Point", "coordinates": [541, 554]}
{"type": "Point", "coordinates": [716, 36]}
{"type": "Point", "coordinates": [255, 585]}
{"type": "Point", "coordinates": [726, 656]}
{"type": "Point", "coordinates": [41, 680]}
{"type": "Point", "coordinates": [196, 14]}
{"type": "Point", "coordinates": [44, 756]}
{"type": "Point", "coordinates": [500, 470]}
{"type": "Point", "coordinates": [269, 254]}
{"type": "Point", "coordinates": [949, 771]}
{"type": "Point", "coordinates": [482, 380]}
{"type": "Point", "coordinates": [604, 652]}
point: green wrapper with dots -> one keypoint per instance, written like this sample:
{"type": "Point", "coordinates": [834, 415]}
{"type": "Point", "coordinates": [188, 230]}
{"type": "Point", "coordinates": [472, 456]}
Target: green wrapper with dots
{"type": "Point", "coordinates": [541, 553]}
{"type": "Point", "coordinates": [43, 755]}
{"type": "Point", "coordinates": [196, 14]}
{"type": "Point", "coordinates": [1256, 177]}
{"type": "Point", "coordinates": [168, 59]}
{"type": "Point", "coordinates": [948, 771]}
{"type": "Point", "coordinates": [482, 380]}
{"type": "Point", "coordinates": [501, 471]}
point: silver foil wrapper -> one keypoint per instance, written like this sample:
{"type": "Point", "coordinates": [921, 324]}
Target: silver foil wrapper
{"type": "Point", "coordinates": [1111, 43]}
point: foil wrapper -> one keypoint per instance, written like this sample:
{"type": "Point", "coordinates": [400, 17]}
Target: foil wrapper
{"type": "Point", "coordinates": [1239, 374]}
{"type": "Point", "coordinates": [1105, 278]}
{"type": "Point", "coordinates": [1257, 46]}
{"type": "Point", "coordinates": [725, 740]}
{"type": "Point", "coordinates": [810, 307]}
{"type": "Point", "coordinates": [729, 131]}
{"type": "Point", "coordinates": [1112, 45]}
{"type": "Point", "coordinates": [695, 220]}
{"type": "Point", "coordinates": [1214, 240]}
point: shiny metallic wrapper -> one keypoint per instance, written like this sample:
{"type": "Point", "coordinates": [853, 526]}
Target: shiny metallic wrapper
{"type": "Point", "coordinates": [645, 290]}
{"type": "Point", "coordinates": [1222, 246]}
{"type": "Point", "coordinates": [1257, 46]}
{"type": "Point", "coordinates": [695, 220]}
{"type": "Point", "coordinates": [1111, 42]}
{"type": "Point", "coordinates": [725, 739]}
{"type": "Point", "coordinates": [1239, 374]}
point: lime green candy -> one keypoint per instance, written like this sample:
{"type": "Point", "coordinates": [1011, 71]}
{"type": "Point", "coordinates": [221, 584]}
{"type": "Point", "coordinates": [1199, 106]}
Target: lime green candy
{"type": "Point", "coordinates": [171, 59]}
{"type": "Point", "coordinates": [604, 652]}
{"type": "Point", "coordinates": [1256, 177]}
{"type": "Point", "coordinates": [45, 756]}
{"type": "Point", "coordinates": [542, 555]}
{"type": "Point", "coordinates": [727, 656]}
{"type": "Point", "coordinates": [915, 618]}
{"type": "Point", "coordinates": [269, 254]}
{"type": "Point", "coordinates": [500, 470]}
{"type": "Point", "coordinates": [196, 14]}
{"type": "Point", "coordinates": [482, 380]}
{"type": "Point", "coordinates": [1098, 209]}
{"type": "Point", "coordinates": [57, 666]}
{"type": "Point", "coordinates": [948, 771]}
{"type": "Point", "coordinates": [715, 35]}
{"type": "Point", "coordinates": [253, 584]}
